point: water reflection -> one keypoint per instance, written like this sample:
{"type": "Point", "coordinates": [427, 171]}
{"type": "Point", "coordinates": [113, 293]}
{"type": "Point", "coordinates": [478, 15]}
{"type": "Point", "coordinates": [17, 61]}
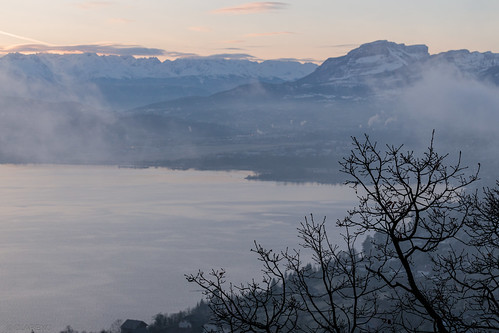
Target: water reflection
{"type": "Point", "coordinates": [85, 245]}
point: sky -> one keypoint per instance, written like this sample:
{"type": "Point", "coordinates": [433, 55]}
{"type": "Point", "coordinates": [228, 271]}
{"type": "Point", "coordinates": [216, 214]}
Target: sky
{"type": "Point", "coordinates": [304, 30]}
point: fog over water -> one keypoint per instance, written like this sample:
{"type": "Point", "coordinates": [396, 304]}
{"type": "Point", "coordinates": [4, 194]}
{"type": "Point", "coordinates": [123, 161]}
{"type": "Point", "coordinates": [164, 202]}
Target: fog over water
{"type": "Point", "coordinates": [86, 245]}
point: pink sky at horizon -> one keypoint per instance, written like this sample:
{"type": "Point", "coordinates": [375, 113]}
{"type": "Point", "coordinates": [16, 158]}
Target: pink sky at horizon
{"type": "Point", "coordinates": [312, 30]}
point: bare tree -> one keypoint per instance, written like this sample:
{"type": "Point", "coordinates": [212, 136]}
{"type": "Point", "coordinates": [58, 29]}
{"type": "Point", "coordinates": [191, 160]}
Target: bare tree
{"type": "Point", "coordinates": [415, 205]}
{"type": "Point", "coordinates": [337, 293]}
{"type": "Point", "coordinates": [429, 260]}
{"type": "Point", "coordinates": [333, 293]}
{"type": "Point", "coordinates": [471, 267]}
{"type": "Point", "coordinates": [265, 306]}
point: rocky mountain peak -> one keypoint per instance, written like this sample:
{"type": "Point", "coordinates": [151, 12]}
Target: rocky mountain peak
{"type": "Point", "coordinates": [386, 49]}
{"type": "Point", "coordinates": [379, 58]}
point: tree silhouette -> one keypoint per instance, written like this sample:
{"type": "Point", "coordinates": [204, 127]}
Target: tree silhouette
{"type": "Point", "coordinates": [416, 205]}
{"type": "Point", "coordinates": [429, 260]}
{"type": "Point", "coordinates": [471, 267]}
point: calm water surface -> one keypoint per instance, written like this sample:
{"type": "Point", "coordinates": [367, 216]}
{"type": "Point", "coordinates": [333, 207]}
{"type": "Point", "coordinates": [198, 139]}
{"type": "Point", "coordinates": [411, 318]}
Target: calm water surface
{"type": "Point", "coordinates": [85, 245]}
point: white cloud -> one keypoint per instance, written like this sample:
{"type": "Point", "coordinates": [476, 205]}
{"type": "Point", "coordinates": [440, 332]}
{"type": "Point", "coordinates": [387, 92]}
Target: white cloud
{"type": "Point", "coordinates": [5, 33]}
{"type": "Point", "coordinates": [253, 8]}
{"type": "Point", "coordinates": [109, 49]}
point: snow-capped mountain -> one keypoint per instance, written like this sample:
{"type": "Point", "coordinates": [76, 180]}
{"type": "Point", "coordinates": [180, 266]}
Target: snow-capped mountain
{"type": "Point", "coordinates": [377, 58]}
{"type": "Point", "coordinates": [377, 68]}
{"type": "Point", "coordinates": [384, 65]}
{"type": "Point", "coordinates": [376, 76]}
{"type": "Point", "coordinates": [92, 66]}
{"type": "Point", "coordinates": [466, 61]}
{"type": "Point", "coordinates": [127, 82]}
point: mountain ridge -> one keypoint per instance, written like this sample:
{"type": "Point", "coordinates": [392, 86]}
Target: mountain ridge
{"type": "Point", "coordinates": [89, 66]}
{"type": "Point", "coordinates": [123, 82]}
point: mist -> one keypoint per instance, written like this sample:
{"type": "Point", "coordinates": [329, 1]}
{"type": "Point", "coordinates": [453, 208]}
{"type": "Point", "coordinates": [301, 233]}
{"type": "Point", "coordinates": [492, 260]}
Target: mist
{"type": "Point", "coordinates": [462, 110]}
{"type": "Point", "coordinates": [51, 119]}
{"type": "Point", "coordinates": [448, 100]}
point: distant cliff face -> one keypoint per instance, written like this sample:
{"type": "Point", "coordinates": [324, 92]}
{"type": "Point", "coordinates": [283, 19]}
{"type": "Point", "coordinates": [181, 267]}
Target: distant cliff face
{"type": "Point", "coordinates": [369, 59]}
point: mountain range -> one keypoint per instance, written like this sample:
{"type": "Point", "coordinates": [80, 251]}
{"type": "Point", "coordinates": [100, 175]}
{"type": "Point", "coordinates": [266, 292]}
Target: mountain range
{"type": "Point", "coordinates": [369, 79]}
{"type": "Point", "coordinates": [283, 120]}
{"type": "Point", "coordinates": [90, 66]}
{"type": "Point", "coordinates": [126, 82]}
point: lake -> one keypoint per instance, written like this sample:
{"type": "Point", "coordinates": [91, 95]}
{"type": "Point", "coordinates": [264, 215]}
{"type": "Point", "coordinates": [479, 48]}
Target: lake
{"type": "Point", "coordinates": [86, 245]}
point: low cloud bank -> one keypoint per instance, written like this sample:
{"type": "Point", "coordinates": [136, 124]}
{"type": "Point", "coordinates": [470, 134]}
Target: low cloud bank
{"type": "Point", "coordinates": [42, 120]}
{"type": "Point", "coordinates": [446, 98]}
